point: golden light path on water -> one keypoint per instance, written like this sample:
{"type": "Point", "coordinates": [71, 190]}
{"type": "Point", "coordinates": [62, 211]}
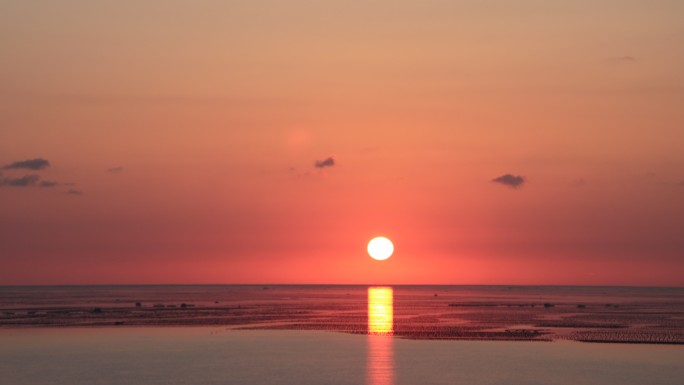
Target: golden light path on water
{"type": "Point", "coordinates": [380, 331]}
{"type": "Point", "coordinates": [380, 311]}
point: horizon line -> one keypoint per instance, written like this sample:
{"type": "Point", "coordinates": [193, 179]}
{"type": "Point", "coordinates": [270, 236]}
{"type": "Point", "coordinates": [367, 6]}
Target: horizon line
{"type": "Point", "coordinates": [340, 284]}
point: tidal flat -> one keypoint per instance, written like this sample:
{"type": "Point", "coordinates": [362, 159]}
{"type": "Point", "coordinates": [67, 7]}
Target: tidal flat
{"type": "Point", "coordinates": [519, 313]}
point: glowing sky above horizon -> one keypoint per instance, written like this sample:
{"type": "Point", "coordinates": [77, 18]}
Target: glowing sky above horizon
{"type": "Point", "coordinates": [493, 142]}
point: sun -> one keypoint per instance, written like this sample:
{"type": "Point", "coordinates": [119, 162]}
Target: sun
{"type": "Point", "coordinates": [380, 248]}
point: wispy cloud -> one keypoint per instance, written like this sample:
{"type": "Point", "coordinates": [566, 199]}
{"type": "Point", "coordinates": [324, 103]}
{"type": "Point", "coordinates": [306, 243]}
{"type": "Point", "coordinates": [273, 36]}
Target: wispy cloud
{"type": "Point", "coordinates": [32, 180]}
{"type": "Point", "coordinates": [30, 164]}
{"type": "Point", "coordinates": [513, 181]}
{"type": "Point", "coordinates": [24, 181]}
{"type": "Point", "coordinates": [48, 183]}
{"type": "Point", "coordinates": [327, 162]}
{"type": "Point", "coordinates": [27, 181]}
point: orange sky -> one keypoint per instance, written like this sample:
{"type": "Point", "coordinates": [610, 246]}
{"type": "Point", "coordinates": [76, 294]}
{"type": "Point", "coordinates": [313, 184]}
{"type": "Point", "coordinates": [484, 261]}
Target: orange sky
{"type": "Point", "coordinates": [187, 133]}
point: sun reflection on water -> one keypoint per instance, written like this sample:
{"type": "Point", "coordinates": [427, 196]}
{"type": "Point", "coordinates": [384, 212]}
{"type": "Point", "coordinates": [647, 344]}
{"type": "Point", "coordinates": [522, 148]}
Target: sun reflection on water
{"type": "Point", "coordinates": [380, 330]}
{"type": "Point", "coordinates": [380, 311]}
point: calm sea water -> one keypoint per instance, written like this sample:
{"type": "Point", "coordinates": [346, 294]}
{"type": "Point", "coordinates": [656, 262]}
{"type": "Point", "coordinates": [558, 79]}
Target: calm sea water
{"type": "Point", "coordinates": [206, 355]}
{"type": "Point", "coordinates": [32, 353]}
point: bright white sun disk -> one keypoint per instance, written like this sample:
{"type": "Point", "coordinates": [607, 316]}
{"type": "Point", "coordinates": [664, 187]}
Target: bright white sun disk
{"type": "Point", "coordinates": [380, 248]}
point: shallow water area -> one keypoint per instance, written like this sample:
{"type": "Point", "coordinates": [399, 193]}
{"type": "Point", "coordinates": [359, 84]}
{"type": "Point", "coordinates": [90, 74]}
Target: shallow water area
{"type": "Point", "coordinates": [209, 355]}
{"type": "Point", "coordinates": [539, 313]}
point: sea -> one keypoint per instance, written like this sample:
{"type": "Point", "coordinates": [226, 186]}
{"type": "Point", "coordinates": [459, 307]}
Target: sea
{"type": "Point", "coordinates": [339, 334]}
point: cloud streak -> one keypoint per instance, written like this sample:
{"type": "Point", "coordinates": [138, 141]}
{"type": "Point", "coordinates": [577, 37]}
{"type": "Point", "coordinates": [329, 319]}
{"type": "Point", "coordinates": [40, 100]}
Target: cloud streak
{"type": "Point", "coordinates": [34, 180]}
{"type": "Point", "coordinates": [27, 181]}
{"type": "Point", "coordinates": [512, 181]}
{"type": "Point", "coordinates": [48, 183]}
{"type": "Point", "coordinates": [30, 164]}
{"type": "Point", "coordinates": [24, 181]}
{"type": "Point", "coordinates": [327, 162]}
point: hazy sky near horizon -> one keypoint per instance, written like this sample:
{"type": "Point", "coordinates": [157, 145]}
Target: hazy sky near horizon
{"type": "Point", "coordinates": [182, 139]}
